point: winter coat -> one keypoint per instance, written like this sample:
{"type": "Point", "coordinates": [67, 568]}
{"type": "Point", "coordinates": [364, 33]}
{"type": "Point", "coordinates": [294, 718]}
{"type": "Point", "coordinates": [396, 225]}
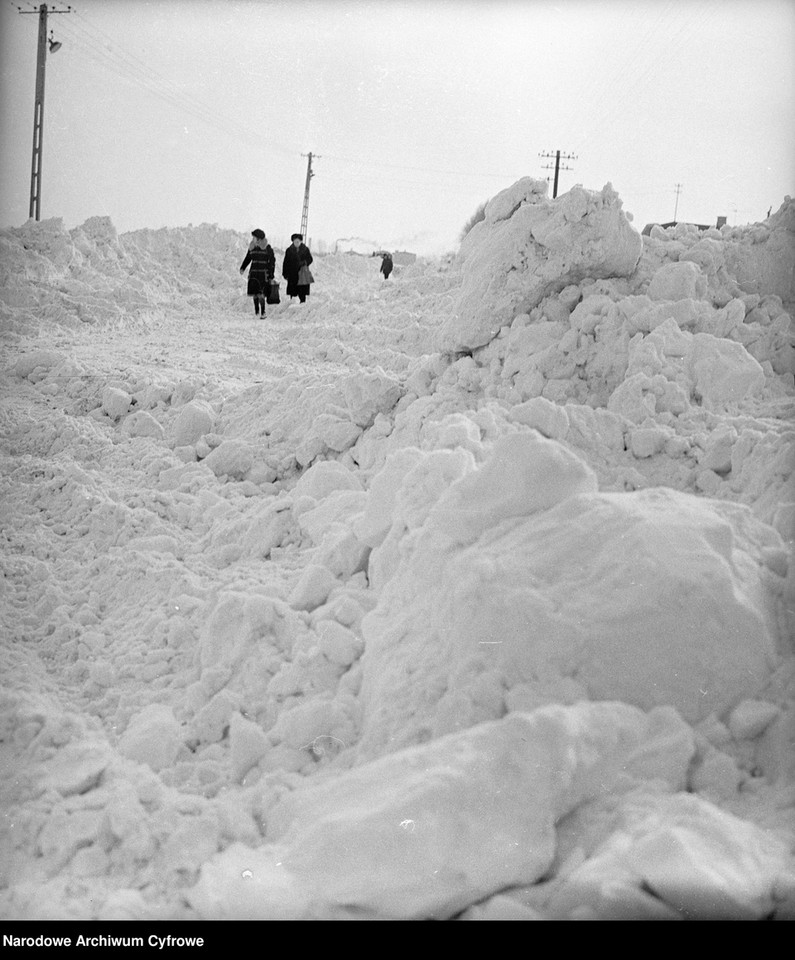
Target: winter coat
{"type": "Point", "coordinates": [263, 266]}
{"type": "Point", "coordinates": [294, 259]}
{"type": "Point", "coordinates": [386, 266]}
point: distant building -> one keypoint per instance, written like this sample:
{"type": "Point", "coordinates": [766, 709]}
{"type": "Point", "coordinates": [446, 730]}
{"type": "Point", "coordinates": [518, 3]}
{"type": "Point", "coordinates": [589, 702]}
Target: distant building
{"type": "Point", "coordinates": [721, 222]}
{"type": "Point", "coordinates": [403, 257]}
{"type": "Point", "coordinates": [365, 248]}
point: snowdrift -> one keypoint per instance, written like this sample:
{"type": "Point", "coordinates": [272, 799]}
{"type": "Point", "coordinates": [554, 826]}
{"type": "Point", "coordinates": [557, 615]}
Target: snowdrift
{"type": "Point", "coordinates": [467, 596]}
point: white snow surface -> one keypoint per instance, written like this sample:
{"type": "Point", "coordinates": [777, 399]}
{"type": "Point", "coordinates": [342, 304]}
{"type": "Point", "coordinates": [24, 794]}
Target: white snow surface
{"type": "Point", "coordinates": [469, 594]}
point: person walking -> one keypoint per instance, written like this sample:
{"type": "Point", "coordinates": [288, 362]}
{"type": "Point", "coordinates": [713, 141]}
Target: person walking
{"type": "Point", "coordinates": [386, 264]}
{"type": "Point", "coordinates": [263, 266]}
{"type": "Point", "coordinates": [295, 268]}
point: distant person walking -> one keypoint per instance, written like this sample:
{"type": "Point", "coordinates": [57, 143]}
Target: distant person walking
{"type": "Point", "coordinates": [386, 264]}
{"type": "Point", "coordinates": [263, 266]}
{"type": "Point", "coordinates": [295, 268]}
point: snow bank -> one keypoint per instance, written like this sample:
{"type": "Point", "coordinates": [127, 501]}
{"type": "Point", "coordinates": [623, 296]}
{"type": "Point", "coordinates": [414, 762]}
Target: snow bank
{"type": "Point", "coordinates": [528, 247]}
{"type": "Point", "coordinates": [523, 585]}
{"type": "Point", "coordinates": [289, 595]}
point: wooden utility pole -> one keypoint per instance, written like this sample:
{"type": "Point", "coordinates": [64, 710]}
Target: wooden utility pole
{"type": "Point", "coordinates": [305, 211]}
{"type": "Point", "coordinates": [558, 157]}
{"type": "Point", "coordinates": [38, 108]}
{"type": "Point", "coordinates": [676, 207]}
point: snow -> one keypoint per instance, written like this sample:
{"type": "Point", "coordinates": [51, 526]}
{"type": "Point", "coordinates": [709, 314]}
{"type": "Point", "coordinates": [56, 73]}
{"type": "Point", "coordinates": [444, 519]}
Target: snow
{"type": "Point", "coordinates": [467, 595]}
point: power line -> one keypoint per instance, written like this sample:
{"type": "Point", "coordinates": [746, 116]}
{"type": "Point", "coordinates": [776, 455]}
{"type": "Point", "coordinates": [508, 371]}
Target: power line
{"type": "Point", "coordinates": [100, 48]}
{"type": "Point", "coordinates": [403, 166]}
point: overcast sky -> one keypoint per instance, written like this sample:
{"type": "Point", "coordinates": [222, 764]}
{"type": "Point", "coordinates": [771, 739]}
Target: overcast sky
{"type": "Point", "coordinates": [169, 112]}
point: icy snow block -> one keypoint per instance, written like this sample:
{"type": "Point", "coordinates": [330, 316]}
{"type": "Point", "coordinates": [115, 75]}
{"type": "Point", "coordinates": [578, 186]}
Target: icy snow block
{"type": "Point", "coordinates": [531, 247]}
{"type": "Point", "coordinates": [723, 371]}
{"type": "Point", "coordinates": [709, 864]}
{"type": "Point", "coordinates": [313, 587]}
{"type": "Point", "coordinates": [548, 418]}
{"type": "Point", "coordinates": [374, 525]}
{"type": "Point", "coordinates": [525, 473]}
{"type": "Point", "coordinates": [153, 737]}
{"type": "Point", "coordinates": [247, 745]}
{"type": "Point", "coordinates": [193, 421]}
{"type": "Point", "coordinates": [672, 856]}
{"type": "Point", "coordinates": [231, 458]}
{"type": "Point", "coordinates": [682, 280]}
{"type": "Point", "coordinates": [239, 624]}
{"type": "Point", "coordinates": [763, 260]}
{"type": "Point", "coordinates": [427, 831]}
{"type": "Point", "coordinates": [335, 432]}
{"type": "Point", "coordinates": [323, 478]}
{"type": "Point", "coordinates": [142, 424]}
{"type": "Point", "coordinates": [341, 506]}
{"type": "Point", "coordinates": [115, 402]}
{"type": "Point", "coordinates": [75, 769]}
{"type": "Point", "coordinates": [39, 362]}
{"type": "Point", "coordinates": [654, 597]}
{"type": "Point", "coordinates": [368, 394]}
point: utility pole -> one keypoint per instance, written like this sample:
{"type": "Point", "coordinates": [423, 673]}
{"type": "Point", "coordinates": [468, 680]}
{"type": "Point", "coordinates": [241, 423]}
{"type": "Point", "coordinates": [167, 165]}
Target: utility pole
{"type": "Point", "coordinates": [678, 190]}
{"type": "Point", "coordinates": [305, 211]}
{"type": "Point", "coordinates": [558, 157]}
{"type": "Point", "coordinates": [38, 108]}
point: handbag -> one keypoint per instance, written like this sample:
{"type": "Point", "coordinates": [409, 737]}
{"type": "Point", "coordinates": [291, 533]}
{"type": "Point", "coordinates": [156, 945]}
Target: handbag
{"type": "Point", "coordinates": [273, 292]}
{"type": "Point", "coordinates": [305, 276]}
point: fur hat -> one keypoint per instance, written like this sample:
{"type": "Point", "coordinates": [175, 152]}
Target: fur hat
{"type": "Point", "coordinates": [259, 234]}
{"type": "Point", "coordinates": [297, 236]}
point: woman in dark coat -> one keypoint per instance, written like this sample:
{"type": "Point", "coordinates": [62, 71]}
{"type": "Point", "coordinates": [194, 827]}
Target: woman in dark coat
{"type": "Point", "coordinates": [386, 265]}
{"type": "Point", "coordinates": [297, 255]}
{"type": "Point", "coordinates": [263, 266]}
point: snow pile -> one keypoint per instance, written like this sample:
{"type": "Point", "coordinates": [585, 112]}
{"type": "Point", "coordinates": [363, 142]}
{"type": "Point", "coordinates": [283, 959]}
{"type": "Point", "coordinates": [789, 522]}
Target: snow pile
{"type": "Point", "coordinates": [521, 585]}
{"type": "Point", "coordinates": [290, 603]}
{"type": "Point", "coordinates": [527, 248]}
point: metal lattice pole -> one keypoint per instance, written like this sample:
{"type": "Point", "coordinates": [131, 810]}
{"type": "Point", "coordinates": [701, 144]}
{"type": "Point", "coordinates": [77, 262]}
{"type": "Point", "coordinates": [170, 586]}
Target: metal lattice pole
{"type": "Point", "coordinates": [305, 211]}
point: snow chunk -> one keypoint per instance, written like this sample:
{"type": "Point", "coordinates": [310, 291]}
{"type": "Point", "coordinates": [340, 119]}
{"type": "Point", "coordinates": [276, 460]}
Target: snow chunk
{"type": "Point", "coordinates": [525, 473]}
{"type": "Point", "coordinates": [708, 864]}
{"type": "Point", "coordinates": [427, 822]}
{"type": "Point", "coordinates": [543, 415]}
{"type": "Point", "coordinates": [237, 622]}
{"type": "Point", "coordinates": [194, 420]}
{"type": "Point", "coordinates": [374, 525]}
{"type": "Point", "coordinates": [231, 458]}
{"type": "Point", "coordinates": [678, 281]}
{"type": "Point", "coordinates": [313, 587]}
{"type": "Point", "coordinates": [35, 366]}
{"type": "Point", "coordinates": [142, 424]}
{"type": "Point", "coordinates": [723, 371]}
{"type": "Point", "coordinates": [699, 862]}
{"type": "Point", "coordinates": [115, 402]}
{"type": "Point", "coordinates": [751, 717]}
{"type": "Point", "coordinates": [248, 743]}
{"type": "Point", "coordinates": [653, 597]}
{"type": "Point", "coordinates": [368, 394]}
{"type": "Point", "coordinates": [324, 477]}
{"type": "Point", "coordinates": [154, 737]}
{"type": "Point", "coordinates": [534, 248]}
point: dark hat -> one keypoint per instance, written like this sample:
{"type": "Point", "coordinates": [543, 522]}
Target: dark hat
{"type": "Point", "coordinates": [259, 234]}
{"type": "Point", "coordinates": [297, 236]}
